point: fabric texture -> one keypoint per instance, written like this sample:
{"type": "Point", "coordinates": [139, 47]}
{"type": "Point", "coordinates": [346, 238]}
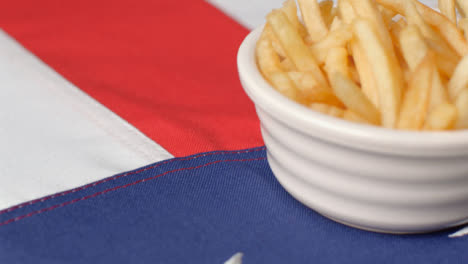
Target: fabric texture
{"type": "Point", "coordinates": [167, 67]}
{"type": "Point", "coordinates": [200, 209]}
{"type": "Point", "coordinates": [53, 137]}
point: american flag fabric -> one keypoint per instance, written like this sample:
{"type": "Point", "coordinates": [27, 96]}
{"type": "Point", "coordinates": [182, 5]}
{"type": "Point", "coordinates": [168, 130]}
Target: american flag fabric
{"type": "Point", "coordinates": [125, 137]}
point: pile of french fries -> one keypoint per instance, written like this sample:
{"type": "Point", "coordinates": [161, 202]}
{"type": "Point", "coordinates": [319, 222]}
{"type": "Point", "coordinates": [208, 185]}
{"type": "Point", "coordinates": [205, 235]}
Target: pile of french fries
{"type": "Point", "coordinates": [392, 63]}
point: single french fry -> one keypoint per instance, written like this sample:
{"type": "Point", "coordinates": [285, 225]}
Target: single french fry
{"type": "Point", "coordinates": [395, 27]}
{"type": "Point", "coordinates": [413, 46]}
{"type": "Point", "coordinates": [367, 9]}
{"type": "Point", "coordinates": [285, 86]}
{"type": "Point", "coordinates": [385, 71]}
{"type": "Point", "coordinates": [290, 10]}
{"type": "Point", "coordinates": [326, 9]}
{"type": "Point", "coordinates": [336, 24]}
{"type": "Point", "coordinates": [463, 26]}
{"type": "Point", "coordinates": [366, 77]}
{"type": "Point", "coordinates": [287, 65]}
{"type": "Point", "coordinates": [406, 76]}
{"type": "Point", "coordinates": [268, 33]}
{"type": "Point", "coordinates": [459, 78]}
{"type": "Point", "coordinates": [313, 19]}
{"type": "Point", "coordinates": [442, 117]}
{"type": "Point", "coordinates": [401, 22]}
{"type": "Point", "coordinates": [387, 14]}
{"type": "Point", "coordinates": [439, 93]}
{"type": "Point", "coordinates": [268, 60]}
{"type": "Point", "coordinates": [463, 7]}
{"type": "Point", "coordinates": [447, 7]}
{"type": "Point", "coordinates": [336, 38]}
{"type": "Point", "coordinates": [337, 61]}
{"type": "Point", "coordinates": [447, 29]}
{"type": "Point", "coordinates": [311, 91]}
{"type": "Point", "coordinates": [352, 97]}
{"type": "Point", "coordinates": [346, 11]}
{"type": "Point", "coordinates": [327, 109]}
{"type": "Point", "coordinates": [353, 117]}
{"type": "Point", "coordinates": [461, 103]}
{"type": "Point", "coordinates": [354, 73]}
{"type": "Point", "coordinates": [415, 103]}
{"type": "Point", "coordinates": [445, 61]}
{"type": "Point", "coordinates": [294, 46]}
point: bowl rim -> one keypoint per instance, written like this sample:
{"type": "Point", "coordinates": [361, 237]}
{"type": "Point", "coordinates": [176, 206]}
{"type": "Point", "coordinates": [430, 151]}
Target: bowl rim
{"type": "Point", "coordinates": [333, 129]}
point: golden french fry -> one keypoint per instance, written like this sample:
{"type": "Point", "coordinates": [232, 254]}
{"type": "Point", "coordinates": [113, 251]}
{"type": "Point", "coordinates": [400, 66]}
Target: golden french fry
{"type": "Point", "coordinates": [352, 97]}
{"type": "Point", "coordinates": [387, 14]}
{"type": "Point", "coordinates": [290, 10]}
{"type": "Point", "coordinates": [354, 74]}
{"type": "Point", "coordinates": [401, 22]}
{"type": "Point", "coordinates": [353, 117]}
{"type": "Point", "coordinates": [337, 61]}
{"type": "Point", "coordinates": [463, 7]}
{"type": "Point", "coordinates": [285, 86]}
{"type": "Point", "coordinates": [336, 24]}
{"type": "Point", "coordinates": [327, 109]}
{"type": "Point", "coordinates": [447, 29]}
{"type": "Point", "coordinates": [463, 26]}
{"type": "Point", "coordinates": [287, 65]}
{"type": "Point", "coordinates": [415, 103]}
{"type": "Point", "coordinates": [385, 71]}
{"type": "Point", "coordinates": [336, 38]}
{"type": "Point", "coordinates": [313, 20]}
{"type": "Point", "coordinates": [447, 7]}
{"type": "Point", "coordinates": [413, 46]}
{"type": "Point", "coordinates": [395, 28]}
{"type": "Point", "coordinates": [414, 49]}
{"type": "Point", "coordinates": [367, 9]}
{"type": "Point", "coordinates": [311, 91]}
{"type": "Point", "coordinates": [267, 59]}
{"type": "Point", "coordinates": [268, 33]}
{"type": "Point", "coordinates": [462, 109]}
{"type": "Point", "coordinates": [439, 93]}
{"type": "Point", "coordinates": [326, 9]}
{"type": "Point", "coordinates": [445, 61]}
{"type": "Point", "coordinates": [442, 117]}
{"type": "Point", "coordinates": [346, 11]}
{"type": "Point", "coordinates": [294, 46]}
{"type": "Point", "coordinates": [406, 76]}
{"type": "Point", "coordinates": [325, 6]}
{"type": "Point", "coordinates": [459, 78]}
{"type": "Point", "coordinates": [270, 66]}
{"type": "Point", "coordinates": [366, 77]}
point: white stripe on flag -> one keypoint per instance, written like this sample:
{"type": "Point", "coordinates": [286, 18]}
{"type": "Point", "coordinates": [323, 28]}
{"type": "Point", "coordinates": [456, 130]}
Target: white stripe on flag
{"type": "Point", "coordinates": [249, 13]}
{"type": "Point", "coordinates": [54, 137]}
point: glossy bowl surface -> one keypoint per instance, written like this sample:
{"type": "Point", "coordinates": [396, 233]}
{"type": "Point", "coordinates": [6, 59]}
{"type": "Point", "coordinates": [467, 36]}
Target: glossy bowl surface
{"type": "Point", "coordinates": [368, 177]}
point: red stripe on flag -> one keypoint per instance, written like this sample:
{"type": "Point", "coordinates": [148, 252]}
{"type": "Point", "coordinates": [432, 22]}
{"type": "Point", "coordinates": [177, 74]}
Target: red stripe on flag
{"type": "Point", "coordinates": [167, 67]}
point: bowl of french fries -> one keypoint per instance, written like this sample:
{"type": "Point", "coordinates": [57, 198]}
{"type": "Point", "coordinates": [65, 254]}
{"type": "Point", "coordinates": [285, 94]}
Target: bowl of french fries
{"type": "Point", "coordinates": [363, 106]}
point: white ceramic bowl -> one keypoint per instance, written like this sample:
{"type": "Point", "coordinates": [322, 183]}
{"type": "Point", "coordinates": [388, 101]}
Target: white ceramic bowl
{"type": "Point", "coordinates": [363, 176]}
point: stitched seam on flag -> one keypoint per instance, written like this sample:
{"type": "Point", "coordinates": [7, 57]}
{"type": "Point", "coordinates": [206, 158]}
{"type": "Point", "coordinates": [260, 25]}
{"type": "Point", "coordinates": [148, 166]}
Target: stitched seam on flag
{"type": "Point", "coordinates": [18, 218]}
{"type": "Point", "coordinates": [11, 209]}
